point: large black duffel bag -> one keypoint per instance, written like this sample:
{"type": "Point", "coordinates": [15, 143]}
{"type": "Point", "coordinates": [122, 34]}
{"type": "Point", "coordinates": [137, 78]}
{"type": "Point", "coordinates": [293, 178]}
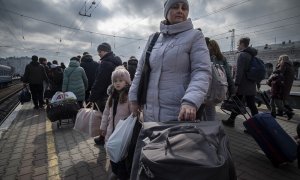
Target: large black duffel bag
{"type": "Point", "coordinates": [66, 109]}
{"type": "Point", "coordinates": [25, 95]}
{"type": "Point", "coordinates": [176, 150]}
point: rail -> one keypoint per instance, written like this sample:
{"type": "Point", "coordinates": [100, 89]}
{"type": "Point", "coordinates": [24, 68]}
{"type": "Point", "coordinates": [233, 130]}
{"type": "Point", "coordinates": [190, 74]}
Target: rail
{"type": "Point", "coordinates": [9, 102]}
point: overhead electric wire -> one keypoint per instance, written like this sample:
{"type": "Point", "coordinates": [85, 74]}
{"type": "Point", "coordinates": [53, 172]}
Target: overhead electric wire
{"type": "Point", "coordinates": [12, 33]}
{"type": "Point", "coordinates": [252, 19]}
{"type": "Point", "coordinates": [139, 20]}
{"type": "Point", "coordinates": [262, 24]}
{"type": "Point", "coordinates": [221, 9]}
{"type": "Point", "coordinates": [142, 39]}
{"type": "Point", "coordinates": [83, 22]}
{"type": "Point", "coordinates": [256, 17]}
{"type": "Point", "coordinates": [67, 27]}
{"type": "Point", "coordinates": [216, 11]}
{"type": "Point", "coordinates": [253, 26]}
{"type": "Point", "coordinates": [61, 45]}
{"type": "Point", "coordinates": [278, 27]}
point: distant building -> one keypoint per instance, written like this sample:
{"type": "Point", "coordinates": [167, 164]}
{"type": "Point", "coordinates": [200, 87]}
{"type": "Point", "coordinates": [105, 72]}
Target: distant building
{"type": "Point", "coordinates": [270, 53]}
{"type": "Point", "coordinates": [18, 63]}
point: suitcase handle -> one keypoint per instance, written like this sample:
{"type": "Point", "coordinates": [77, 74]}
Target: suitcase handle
{"type": "Point", "coordinates": [173, 131]}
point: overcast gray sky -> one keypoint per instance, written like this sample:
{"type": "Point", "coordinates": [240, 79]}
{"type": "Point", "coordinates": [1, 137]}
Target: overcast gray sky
{"type": "Point", "coordinates": [44, 27]}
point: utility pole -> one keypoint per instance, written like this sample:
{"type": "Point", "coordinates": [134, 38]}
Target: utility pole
{"type": "Point", "coordinates": [86, 10]}
{"type": "Point", "coordinates": [232, 39]}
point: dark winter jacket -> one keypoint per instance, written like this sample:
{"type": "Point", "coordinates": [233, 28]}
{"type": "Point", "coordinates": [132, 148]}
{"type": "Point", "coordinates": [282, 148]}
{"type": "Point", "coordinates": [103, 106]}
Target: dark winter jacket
{"type": "Point", "coordinates": [90, 68]}
{"type": "Point", "coordinates": [276, 81]}
{"type": "Point", "coordinates": [286, 68]}
{"type": "Point", "coordinates": [245, 86]}
{"type": "Point", "coordinates": [103, 77]}
{"type": "Point", "coordinates": [131, 67]}
{"type": "Point", "coordinates": [35, 73]}
{"type": "Point", "coordinates": [55, 76]}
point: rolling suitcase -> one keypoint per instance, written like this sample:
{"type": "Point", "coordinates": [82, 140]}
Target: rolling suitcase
{"type": "Point", "coordinates": [277, 145]}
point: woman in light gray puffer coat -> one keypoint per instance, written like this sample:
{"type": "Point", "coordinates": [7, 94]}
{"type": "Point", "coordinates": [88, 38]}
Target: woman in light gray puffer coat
{"type": "Point", "coordinates": [180, 69]}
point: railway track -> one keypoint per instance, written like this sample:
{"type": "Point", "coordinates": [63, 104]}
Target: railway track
{"type": "Point", "coordinates": [9, 100]}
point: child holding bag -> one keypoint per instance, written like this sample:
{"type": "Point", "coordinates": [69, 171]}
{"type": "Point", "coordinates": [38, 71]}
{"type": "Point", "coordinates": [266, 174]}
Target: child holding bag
{"type": "Point", "coordinates": [116, 108]}
{"type": "Point", "coordinates": [117, 105]}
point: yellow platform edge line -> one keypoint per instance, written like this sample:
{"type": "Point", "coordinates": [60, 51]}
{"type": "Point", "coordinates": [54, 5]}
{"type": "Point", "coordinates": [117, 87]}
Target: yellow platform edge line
{"type": "Point", "coordinates": [53, 166]}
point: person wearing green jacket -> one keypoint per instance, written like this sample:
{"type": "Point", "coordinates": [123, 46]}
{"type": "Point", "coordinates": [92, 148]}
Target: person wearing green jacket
{"type": "Point", "coordinates": [75, 80]}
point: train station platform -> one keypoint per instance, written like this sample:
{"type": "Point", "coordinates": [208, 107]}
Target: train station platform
{"type": "Point", "coordinates": [31, 147]}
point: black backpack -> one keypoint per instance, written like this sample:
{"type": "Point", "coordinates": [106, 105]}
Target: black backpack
{"type": "Point", "coordinates": [56, 75]}
{"type": "Point", "coordinates": [25, 96]}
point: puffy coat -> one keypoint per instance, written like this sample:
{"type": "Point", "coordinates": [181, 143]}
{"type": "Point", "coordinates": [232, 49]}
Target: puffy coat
{"type": "Point", "coordinates": [276, 81]}
{"type": "Point", "coordinates": [90, 68]}
{"type": "Point", "coordinates": [108, 122]}
{"type": "Point", "coordinates": [75, 80]}
{"type": "Point", "coordinates": [180, 72]}
{"type": "Point", "coordinates": [246, 87]}
{"type": "Point", "coordinates": [35, 73]}
{"type": "Point", "coordinates": [286, 68]}
{"type": "Point", "coordinates": [55, 76]}
{"type": "Point", "coordinates": [103, 77]}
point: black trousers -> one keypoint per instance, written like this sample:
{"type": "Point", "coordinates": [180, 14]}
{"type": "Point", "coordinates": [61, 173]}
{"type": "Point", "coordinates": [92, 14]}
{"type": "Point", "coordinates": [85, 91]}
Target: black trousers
{"type": "Point", "coordinates": [37, 94]}
{"type": "Point", "coordinates": [250, 100]}
{"type": "Point", "coordinates": [87, 95]}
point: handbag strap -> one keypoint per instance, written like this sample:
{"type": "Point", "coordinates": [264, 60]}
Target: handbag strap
{"type": "Point", "coordinates": [143, 85]}
{"type": "Point", "coordinates": [150, 47]}
{"type": "Point", "coordinates": [115, 106]}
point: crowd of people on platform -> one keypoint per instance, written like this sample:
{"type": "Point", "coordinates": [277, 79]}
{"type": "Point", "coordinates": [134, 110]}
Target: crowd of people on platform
{"type": "Point", "coordinates": [179, 79]}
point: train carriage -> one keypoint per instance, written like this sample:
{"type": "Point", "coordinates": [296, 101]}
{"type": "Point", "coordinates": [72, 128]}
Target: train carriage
{"type": "Point", "coordinates": [5, 75]}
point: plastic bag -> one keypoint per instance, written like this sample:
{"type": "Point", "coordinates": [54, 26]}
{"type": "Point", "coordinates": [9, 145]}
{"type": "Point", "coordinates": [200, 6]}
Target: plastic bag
{"type": "Point", "coordinates": [88, 120]}
{"type": "Point", "coordinates": [60, 96]}
{"type": "Point", "coordinates": [118, 142]}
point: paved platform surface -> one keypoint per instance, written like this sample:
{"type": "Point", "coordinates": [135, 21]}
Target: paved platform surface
{"type": "Point", "coordinates": [33, 148]}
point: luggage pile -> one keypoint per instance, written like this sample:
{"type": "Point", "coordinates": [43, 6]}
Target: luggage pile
{"type": "Point", "coordinates": [62, 106]}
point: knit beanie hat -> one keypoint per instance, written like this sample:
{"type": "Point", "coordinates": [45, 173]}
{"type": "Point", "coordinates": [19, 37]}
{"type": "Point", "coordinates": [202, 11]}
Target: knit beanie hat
{"type": "Point", "coordinates": [34, 58]}
{"type": "Point", "coordinates": [74, 59]}
{"type": "Point", "coordinates": [169, 3]}
{"type": "Point", "coordinates": [122, 73]}
{"type": "Point", "coordinates": [104, 47]}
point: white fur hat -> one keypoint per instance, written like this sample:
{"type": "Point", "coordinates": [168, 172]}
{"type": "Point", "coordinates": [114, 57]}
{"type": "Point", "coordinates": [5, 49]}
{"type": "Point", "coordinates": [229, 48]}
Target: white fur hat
{"type": "Point", "coordinates": [122, 73]}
